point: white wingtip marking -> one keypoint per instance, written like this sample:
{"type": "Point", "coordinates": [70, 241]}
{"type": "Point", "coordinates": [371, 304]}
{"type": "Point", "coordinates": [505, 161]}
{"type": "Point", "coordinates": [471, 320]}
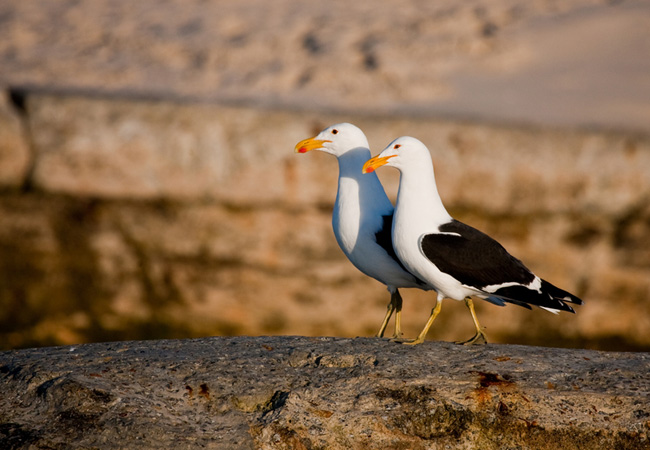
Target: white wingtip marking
{"type": "Point", "coordinates": [554, 311]}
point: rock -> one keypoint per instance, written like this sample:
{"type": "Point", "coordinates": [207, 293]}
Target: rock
{"type": "Point", "coordinates": [489, 59]}
{"type": "Point", "coordinates": [296, 392]}
{"type": "Point", "coordinates": [154, 149]}
{"type": "Point", "coordinates": [108, 246]}
{"type": "Point", "coordinates": [149, 189]}
{"type": "Point", "coordinates": [145, 149]}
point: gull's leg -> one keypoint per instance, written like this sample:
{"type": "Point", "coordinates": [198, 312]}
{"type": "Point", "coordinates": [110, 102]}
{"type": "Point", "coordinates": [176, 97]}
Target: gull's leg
{"type": "Point", "coordinates": [397, 299]}
{"type": "Point", "coordinates": [479, 337]}
{"type": "Point", "coordinates": [434, 313]}
{"type": "Point", "coordinates": [394, 305]}
{"type": "Point", "coordinates": [389, 312]}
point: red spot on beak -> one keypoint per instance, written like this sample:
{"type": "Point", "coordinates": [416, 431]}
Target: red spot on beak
{"type": "Point", "coordinates": [370, 169]}
{"type": "Point", "coordinates": [302, 150]}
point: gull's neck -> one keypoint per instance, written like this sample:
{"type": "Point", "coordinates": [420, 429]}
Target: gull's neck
{"type": "Point", "coordinates": [360, 200]}
{"type": "Point", "coordinates": [418, 202]}
{"type": "Point", "coordinates": [352, 161]}
{"type": "Point", "coordinates": [357, 188]}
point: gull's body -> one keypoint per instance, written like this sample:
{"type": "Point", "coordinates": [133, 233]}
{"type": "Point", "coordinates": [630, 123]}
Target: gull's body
{"type": "Point", "coordinates": [363, 214]}
{"type": "Point", "coordinates": [458, 261]}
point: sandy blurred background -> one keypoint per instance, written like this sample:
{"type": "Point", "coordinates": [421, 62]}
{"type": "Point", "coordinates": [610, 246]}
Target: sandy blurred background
{"type": "Point", "coordinates": [149, 189]}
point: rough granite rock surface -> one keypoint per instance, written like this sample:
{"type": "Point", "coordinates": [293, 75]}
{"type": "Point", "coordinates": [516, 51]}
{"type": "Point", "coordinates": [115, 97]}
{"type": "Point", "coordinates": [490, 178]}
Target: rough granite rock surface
{"type": "Point", "coordinates": [318, 393]}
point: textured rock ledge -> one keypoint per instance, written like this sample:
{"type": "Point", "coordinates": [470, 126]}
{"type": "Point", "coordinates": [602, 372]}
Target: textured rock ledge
{"type": "Point", "coordinates": [296, 392]}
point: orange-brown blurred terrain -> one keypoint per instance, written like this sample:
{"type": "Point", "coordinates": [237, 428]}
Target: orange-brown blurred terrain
{"type": "Point", "coordinates": [149, 187]}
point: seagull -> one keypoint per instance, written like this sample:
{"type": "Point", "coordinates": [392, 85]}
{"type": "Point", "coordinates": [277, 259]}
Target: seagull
{"type": "Point", "coordinates": [363, 215]}
{"type": "Point", "coordinates": [457, 260]}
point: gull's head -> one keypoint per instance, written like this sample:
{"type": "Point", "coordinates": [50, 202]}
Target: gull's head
{"type": "Point", "coordinates": [336, 140]}
{"type": "Point", "coordinates": [400, 153]}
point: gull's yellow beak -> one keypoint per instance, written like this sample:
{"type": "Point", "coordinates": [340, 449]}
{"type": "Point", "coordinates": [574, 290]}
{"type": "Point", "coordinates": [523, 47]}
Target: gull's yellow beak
{"type": "Point", "coordinates": [309, 144]}
{"type": "Point", "coordinates": [375, 163]}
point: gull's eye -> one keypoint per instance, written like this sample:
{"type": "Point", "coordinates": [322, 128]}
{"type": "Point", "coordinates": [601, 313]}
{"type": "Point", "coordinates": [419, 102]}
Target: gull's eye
{"type": "Point", "coordinates": [335, 131]}
{"type": "Point", "coordinates": [396, 146]}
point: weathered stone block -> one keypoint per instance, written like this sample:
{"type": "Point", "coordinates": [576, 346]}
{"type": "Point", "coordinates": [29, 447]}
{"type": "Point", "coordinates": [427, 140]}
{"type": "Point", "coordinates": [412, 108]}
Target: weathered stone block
{"type": "Point", "coordinates": [136, 149]}
{"type": "Point", "coordinates": [508, 169]}
{"type": "Point", "coordinates": [296, 392]}
{"type": "Point", "coordinates": [85, 271]}
{"type": "Point", "coordinates": [143, 150]}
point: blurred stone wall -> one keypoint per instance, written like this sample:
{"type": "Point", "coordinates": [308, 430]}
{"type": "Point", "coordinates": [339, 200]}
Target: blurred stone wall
{"type": "Point", "coordinates": [149, 189]}
{"type": "Point", "coordinates": [130, 219]}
